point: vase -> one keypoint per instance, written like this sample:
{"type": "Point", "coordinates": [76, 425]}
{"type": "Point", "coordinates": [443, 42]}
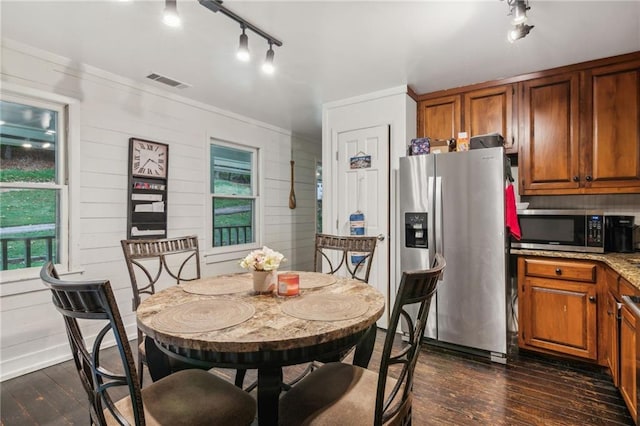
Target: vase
{"type": "Point", "coordinates": [264, 282]}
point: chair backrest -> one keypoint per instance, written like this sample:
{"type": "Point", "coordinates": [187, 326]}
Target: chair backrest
{"type": "Point", "coordinates": [147, 259]}
{"type": "Point", "coordinates": [416, 287]}
{"type": "Point", "coordinates": [355, 253]}
{"type": "Point", "coordinates": [94, 300]}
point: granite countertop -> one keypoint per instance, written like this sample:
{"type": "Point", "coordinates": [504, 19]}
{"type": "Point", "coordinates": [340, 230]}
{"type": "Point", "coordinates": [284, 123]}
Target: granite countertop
{"type": "Point", "coordinates": [269, 328]}
{"type": "Point", "coordinates": [626, 264]}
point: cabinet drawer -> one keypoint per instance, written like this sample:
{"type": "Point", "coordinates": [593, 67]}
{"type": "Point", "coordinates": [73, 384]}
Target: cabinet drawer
{"type": "Point", "coordinates": [571, 271]}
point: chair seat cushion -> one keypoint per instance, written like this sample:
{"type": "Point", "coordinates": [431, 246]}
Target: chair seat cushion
{"type": "Point", "coordinates": [334, 394]}
{"type": "Point", "coordinates": [191, 397]}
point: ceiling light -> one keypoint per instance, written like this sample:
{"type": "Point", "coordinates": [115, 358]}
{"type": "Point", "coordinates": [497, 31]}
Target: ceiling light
{"type": "Point", "coordinates": [2, 122]}
{"type": "Point", "coordinates": [170, 15]}
{"type": "Point", "coordinates": [46, 145]}
{"type": "Point", "coordinates": [518, 32]}
{"type": "Point", "coordinates": [243, 48]}
{"type": "Point", "coordinates": [518, 9]}
{"type": "Point", "coordinates": [268, 67]}
{"type": "Point", "coordinates": [26, 145]}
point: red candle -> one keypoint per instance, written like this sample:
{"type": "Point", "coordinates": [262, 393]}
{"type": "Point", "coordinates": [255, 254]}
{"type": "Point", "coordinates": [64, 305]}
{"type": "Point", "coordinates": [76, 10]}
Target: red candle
{"type": "Point", "coordinates": [288, 284]}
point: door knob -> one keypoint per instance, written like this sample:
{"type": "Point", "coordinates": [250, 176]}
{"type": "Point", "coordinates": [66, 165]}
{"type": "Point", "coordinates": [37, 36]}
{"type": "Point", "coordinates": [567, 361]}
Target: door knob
{"type": "Point", "coordinates": [592, 299]}
{"type": "Point", "coordinates": [380, 237]}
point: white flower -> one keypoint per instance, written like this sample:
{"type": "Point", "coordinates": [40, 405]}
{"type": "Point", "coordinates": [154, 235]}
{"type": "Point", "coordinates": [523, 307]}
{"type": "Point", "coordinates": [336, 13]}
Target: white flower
{"type": "Point", "coordinates": [264, 259]}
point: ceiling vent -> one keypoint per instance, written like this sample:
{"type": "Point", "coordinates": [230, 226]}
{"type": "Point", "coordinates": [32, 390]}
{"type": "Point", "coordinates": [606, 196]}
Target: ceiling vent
{"type": "Point", "coordinates": [168, 81]}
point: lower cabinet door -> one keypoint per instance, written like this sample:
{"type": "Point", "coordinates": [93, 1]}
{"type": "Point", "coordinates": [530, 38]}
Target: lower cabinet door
{"type": "Point", "coordinates": [560, 316]}
{"type": "Point", "coordinates": [628, 337]}
{"type": "Point", "coordinates": [613, 336]}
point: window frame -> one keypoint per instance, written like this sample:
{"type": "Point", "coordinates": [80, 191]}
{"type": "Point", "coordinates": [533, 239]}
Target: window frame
{"type": "Point", "coordinates": [223, 253]}
{"type": "Point", "coordinates": [67, 152]}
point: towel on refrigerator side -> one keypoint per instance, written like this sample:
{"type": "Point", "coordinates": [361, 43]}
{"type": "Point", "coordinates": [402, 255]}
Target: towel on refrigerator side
{"type": "Point", "coordinates": [511, 213]}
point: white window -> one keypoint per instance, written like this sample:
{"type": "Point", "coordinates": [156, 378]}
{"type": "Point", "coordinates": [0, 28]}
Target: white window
{"type": "Point", "coordinates": [234, 195]}
{"type": "Point", "coordinates": [33, 183]}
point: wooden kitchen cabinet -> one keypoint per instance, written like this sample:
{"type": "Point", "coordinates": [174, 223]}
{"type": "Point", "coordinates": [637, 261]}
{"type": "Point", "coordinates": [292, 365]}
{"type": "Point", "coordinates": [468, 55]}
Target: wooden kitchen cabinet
{"type": "Point", "coordinates": [620, 335]}
{"type": "Point", "coordinates": [581, 132]}
{"type": "Point", "coordinates": [576, 129]}
{"type": "Point", "coordinates": [550, 154]}
{"type": "Point", "coordinates": [628, 337]}
{"type": "Point", "coordinates": [557, 305]}
{"type": "Point", "coordinates": [440, 118]}
{"type": "Point", "coordinates": [610, 333]}
{"type": "Point", "coordinates": [611, 136]}
{"type": "Point", "coordinates": [491, 110]}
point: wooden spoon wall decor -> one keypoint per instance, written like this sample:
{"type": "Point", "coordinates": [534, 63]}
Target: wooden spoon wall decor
{"type": "Point", "coordinates": [292, 192]}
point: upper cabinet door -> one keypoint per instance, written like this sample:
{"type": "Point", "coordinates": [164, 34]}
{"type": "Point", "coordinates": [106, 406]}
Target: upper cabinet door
{"type": "Point", "coordinates": [491, 111]}
{"type": "Point", "coordinates": [439, 118]}
{"type": "Point", "coordinates": [550, 142]}
{"type": "Point", "coordinates": [612, 128]}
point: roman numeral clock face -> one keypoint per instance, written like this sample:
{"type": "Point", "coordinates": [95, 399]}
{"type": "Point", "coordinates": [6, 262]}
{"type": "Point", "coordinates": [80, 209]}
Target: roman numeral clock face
{"type": "Point", "coordinates": [149, 159]}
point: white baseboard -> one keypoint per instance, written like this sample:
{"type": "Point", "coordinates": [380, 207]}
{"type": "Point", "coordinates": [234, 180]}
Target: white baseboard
{"type": "Point", "coordinates": [52, 355]}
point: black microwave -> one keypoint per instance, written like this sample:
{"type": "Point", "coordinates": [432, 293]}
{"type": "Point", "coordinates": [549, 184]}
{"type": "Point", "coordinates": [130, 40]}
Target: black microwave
{"type": "Point", "coordinates": [563, 230]}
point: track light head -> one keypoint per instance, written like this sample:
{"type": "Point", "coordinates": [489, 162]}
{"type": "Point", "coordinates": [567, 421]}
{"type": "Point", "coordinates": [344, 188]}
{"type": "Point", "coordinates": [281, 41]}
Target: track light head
{"type": "Point", "coordinates": [243, 48]}
{"type": "Point", "coordinates": [170, 15]}
{"type": "Point", "coordinates": [518, 32]}
{"type": "Point", "coordinates": [268, 67]}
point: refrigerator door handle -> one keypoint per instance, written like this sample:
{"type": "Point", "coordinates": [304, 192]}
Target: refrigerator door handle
{"type": "Point", "coordinates": [438, 216]}
{"type": "Point", "coordinates": [431, 238]}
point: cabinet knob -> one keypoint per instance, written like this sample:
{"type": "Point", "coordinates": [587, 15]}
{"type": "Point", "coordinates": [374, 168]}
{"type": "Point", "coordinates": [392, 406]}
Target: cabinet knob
{"type": "Point", "coordinates": [588, 178]}
{"type": "Point", "coordinates": [592, 299]}
{"type": "Point", "coordinates": [576, 178]}
{"type": "Point", "coordinates": [558, 271]}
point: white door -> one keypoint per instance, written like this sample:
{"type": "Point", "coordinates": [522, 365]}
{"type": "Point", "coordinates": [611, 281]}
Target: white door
{"type": "Point", "coordinates": [365, 188]}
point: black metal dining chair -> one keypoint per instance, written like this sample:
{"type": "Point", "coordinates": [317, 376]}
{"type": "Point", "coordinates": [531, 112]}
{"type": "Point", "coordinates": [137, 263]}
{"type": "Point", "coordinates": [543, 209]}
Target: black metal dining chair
{"type": "Point", "coordinates": [340, 393]}
{"type": "Point", "coordinates": [149, 262]}
{"type": "Point", "coordinates": [352, 256]}
{"type": "Point", "coordinates": [188, 397]}
{"type": "Point", "coordinates": [355, 253]}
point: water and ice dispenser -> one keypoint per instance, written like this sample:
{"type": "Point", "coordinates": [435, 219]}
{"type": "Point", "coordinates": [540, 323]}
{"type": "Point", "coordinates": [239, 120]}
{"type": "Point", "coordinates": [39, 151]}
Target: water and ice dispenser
{"type": "Point", "coordinates": [415, 230]}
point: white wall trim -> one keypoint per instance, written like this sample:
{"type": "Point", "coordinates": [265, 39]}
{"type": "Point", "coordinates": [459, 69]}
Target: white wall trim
{"type": "Point", "coordinates": [367, 97]}
{"type": "Point", "coordinates": [106, 75]}
{"type": "Point", "coordinates": [52, 355]}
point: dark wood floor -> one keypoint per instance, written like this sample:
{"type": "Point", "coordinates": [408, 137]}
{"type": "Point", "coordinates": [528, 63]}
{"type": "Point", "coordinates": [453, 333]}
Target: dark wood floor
{"type": "Point", "coordinates": [450, 389]}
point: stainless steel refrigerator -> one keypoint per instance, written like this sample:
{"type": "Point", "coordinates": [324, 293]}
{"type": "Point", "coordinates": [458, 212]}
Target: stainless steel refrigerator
{"type": "Point", "coordinates": [453, 203]}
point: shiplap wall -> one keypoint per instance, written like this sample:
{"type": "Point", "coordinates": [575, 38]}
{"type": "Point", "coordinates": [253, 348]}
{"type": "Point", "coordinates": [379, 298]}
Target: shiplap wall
{"type": "Point", "coordinates": [112, 109]}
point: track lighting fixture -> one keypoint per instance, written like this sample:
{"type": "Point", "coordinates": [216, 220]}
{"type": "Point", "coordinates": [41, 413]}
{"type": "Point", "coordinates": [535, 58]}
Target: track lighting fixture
{"type": "Point", "coordinates": [243, 49]}
{"type": "Point", "coordinates": [518, 32]}
{"type": "Point", "coordinates": [170, 14]}
{"type": "Point", "coordinates": [267, 66]}
{"type": "Point", "coordinates": [518, 9]}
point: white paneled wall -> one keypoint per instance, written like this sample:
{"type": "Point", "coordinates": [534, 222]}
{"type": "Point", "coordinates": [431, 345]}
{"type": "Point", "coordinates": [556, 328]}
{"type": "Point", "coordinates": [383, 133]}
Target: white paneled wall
{"type": "Point", "coordinates": [111, 110]}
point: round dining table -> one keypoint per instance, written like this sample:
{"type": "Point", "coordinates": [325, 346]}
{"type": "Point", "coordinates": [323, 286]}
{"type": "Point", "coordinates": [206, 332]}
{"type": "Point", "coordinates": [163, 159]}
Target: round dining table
{"type": "Point", "coordinates": [221, 322]}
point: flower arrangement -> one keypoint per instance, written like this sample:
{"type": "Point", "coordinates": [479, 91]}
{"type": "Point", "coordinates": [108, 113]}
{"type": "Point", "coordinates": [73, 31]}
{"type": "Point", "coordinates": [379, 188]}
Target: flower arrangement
{"type": "Point", "coordinates": [264, 259]}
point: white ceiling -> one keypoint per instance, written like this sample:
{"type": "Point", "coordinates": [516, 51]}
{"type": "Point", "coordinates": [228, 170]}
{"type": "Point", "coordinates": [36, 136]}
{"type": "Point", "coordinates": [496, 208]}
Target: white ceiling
{"type": "Point", "coordinates": [332, 49]}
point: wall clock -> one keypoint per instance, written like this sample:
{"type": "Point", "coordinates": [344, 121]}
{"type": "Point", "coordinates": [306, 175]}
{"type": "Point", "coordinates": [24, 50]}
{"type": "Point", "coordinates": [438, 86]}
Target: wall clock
{"type": "Point", "coordinates": [148, 159]}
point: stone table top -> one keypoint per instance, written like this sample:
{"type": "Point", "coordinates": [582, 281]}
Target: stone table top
{"type": "Point", "coordinates": [626, 264]}
{"type": "Point", "coordinates": [269, 329]}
